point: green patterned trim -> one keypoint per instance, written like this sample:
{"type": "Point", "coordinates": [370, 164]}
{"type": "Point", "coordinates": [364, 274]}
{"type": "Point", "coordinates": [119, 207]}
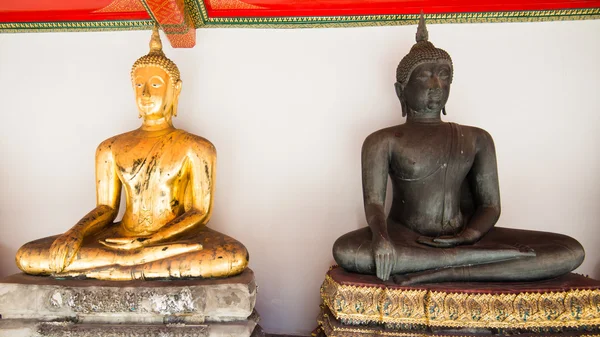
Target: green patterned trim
{"type": "Point", "coordinates": [74, 26]}
{"type": "Point", "coordinates": [199, 15]}
{"type": "Point", "coordinates": [201, 19]}
{"type": "Point", "coordinates": [197, 11]}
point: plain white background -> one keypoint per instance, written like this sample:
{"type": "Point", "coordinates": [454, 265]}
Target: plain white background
{"type": "Point", "coordinates": [288, 111]}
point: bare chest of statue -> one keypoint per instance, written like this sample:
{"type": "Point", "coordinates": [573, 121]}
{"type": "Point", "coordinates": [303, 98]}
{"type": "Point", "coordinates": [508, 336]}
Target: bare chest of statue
{"type": "Point", "coordinates": [428, 166]}
{"type": "Point", "coordinates": [155, 175]}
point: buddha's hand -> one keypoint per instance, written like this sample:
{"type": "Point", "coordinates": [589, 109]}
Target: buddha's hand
{"type": "Point", "coordinates": [64, 249]}
{"type": "Point", "coordinates": [127, 243]}
{"type": "Point", "coordinates": [466, 237]}
{"type": "Point", "coordinates": [384, 253]}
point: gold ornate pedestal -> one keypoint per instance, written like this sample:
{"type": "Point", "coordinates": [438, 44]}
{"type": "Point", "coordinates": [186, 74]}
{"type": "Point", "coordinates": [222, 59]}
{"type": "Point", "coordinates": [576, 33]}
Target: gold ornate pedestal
{"type": "Point", "coordinates": [362, 305]}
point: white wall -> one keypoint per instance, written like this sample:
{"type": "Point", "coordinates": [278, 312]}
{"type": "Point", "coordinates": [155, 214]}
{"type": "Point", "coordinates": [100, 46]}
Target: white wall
{"type": "Point", "coordinates": [288, 111]}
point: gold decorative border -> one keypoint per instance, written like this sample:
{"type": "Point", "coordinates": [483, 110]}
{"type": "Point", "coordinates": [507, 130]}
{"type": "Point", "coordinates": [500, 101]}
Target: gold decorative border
{"type": "Point", "coordinates": [570, 309]}
{"type": "Point", "coordinates": [74, 26]}
{"type": "Point", "coordinates": [330, 330]}
{"type": "Point", "coordinates": [199, 12]}
{"type": "Point", "coordinates": [334, 329]}
{"type": "Point", "coordinates": [361, 305]}
{"type": "Point", "coordinates": [200, 18]}
{"type": "Point", "coordinates": [374, 304]}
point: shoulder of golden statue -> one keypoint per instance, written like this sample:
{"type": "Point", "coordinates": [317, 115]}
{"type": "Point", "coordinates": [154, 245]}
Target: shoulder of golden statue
{"type": "Point", "coordinates": [198, 144]}
{"type": "Point", "coordinates": [107, 145]}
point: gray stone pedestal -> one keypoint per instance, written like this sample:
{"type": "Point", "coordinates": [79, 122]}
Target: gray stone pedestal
{"type": "Point", "coordinates": [43, 306]}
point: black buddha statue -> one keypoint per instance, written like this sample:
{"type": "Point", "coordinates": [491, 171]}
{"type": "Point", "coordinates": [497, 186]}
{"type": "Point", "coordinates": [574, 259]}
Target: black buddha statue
{"type": "Point", "coordinates": [446, 198]}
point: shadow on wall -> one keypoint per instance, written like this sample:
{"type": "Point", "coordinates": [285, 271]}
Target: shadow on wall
{"type": "Point", "coordinates": [7, 261]}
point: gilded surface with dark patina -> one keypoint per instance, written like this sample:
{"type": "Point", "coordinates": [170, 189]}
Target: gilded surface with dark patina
{"type": "Point", "coordinates": [168, 176]}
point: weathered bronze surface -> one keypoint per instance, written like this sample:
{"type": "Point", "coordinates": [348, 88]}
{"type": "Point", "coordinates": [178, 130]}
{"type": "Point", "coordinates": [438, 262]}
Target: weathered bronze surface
{"type": "Point", "coordinates": [168, 176]}
{"type": "Point", "coordinates": [446, 198]}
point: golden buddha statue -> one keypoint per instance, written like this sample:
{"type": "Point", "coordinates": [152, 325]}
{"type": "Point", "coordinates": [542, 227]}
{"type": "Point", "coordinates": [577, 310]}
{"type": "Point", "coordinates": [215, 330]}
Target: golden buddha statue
{"type": "Point", "coordinates": [169, 179]}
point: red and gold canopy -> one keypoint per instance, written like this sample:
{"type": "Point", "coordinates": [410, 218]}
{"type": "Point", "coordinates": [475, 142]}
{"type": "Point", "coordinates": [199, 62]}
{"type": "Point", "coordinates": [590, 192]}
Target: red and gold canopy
{"type": "Point", "coordinates": [180, 18]}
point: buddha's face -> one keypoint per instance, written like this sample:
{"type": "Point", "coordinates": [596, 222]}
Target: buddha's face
{"type": "Point", "coordinates": [155, 93]}
{"type": "Point", "coordinates": [428, 88]}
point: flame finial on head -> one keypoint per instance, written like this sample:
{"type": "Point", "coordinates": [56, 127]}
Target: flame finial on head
{"type": "Point", "coordinates": [155, 43]}
{"type": "Point", "coordinates": [422, 33]}
{"type": "Point", "coordinates": [156, 58]}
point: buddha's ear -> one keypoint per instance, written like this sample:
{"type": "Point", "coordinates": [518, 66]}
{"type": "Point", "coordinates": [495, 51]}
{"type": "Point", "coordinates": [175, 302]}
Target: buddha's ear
{"type": "Point", "coordinates": [177, 87]}
{"type": "Point", "coordinates": [176, 91]}
{"type": "Point", "coordinates": [400, 93]}
{"type": "Point", "coordinates": [399, 88]}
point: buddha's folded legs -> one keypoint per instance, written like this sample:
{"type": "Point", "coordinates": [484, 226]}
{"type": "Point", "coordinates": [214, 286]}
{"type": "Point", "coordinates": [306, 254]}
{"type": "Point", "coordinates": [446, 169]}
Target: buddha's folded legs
{"type": "Point", "coordinates": [203, 253]}
{"type": "Point", "coordinates": [502, 255]}
{"type": "Point", "coordinates": [556, 254]}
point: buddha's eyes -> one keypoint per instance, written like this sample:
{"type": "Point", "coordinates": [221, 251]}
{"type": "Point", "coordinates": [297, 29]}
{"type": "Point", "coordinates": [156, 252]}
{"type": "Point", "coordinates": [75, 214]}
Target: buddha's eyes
{"type": "Point", "coordinates": [424, 76]}
{"type": "Point", "coordinates": [153, 85]}
{"type": "Point", "coordinates": [444, 75]}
